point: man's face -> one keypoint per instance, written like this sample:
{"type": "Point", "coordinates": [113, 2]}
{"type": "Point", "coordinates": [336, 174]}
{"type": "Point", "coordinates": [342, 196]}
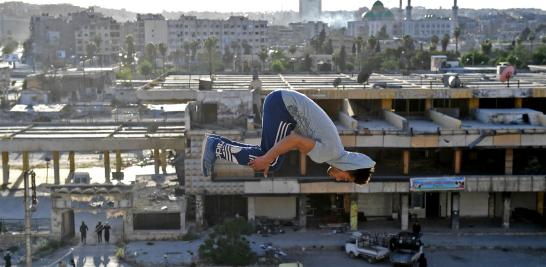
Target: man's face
{"type": "Point", "coordinates": [339, 175]}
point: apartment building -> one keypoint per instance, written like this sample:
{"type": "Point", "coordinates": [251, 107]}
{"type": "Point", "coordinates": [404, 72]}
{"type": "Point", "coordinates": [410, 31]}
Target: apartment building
{"type": "Point", "coordinates": [451, 154]}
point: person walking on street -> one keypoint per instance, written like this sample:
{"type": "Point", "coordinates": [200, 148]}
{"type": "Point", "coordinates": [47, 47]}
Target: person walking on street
{"type": "Point", "coordinates": [7, 260]}
{"type": "Point", "coordinates": [98, 229]}
{"type": "Point", "coordinates": [107, 232]}
{"type": "Point", "coordinates": [83, 232]}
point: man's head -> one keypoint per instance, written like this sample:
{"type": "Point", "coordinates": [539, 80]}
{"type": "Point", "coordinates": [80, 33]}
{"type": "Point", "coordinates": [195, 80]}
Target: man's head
{"type": "Point", "coordinates": [358, 176]}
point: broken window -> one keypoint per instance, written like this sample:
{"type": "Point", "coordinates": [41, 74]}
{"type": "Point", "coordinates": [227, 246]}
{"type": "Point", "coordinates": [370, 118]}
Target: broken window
{"type": "Point", "coordinates": [156, 221]}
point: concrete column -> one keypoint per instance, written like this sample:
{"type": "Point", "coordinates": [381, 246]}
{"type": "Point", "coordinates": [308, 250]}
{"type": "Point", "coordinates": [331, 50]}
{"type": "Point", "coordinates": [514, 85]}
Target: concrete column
{"type": "Point", "coordinates": [354, 212]}
{"type": "Point", "coordinates": [183, 206]}
{"type": "Point", "coordinates": [26, 162]}
{"type": "Point", "coordinates": [107, 166]}
{"type": "Point", "coordinates": [303, 164]}
{"type": "Point", "coordinates": [540, 203]}
{"type": "Point", "coordinates": [509, 161]}
{"type": "Point", "coordinates": [251, 209]}
{"type": "Point", "coordinates": [457, 160]}
{"type": "Point", "coordinates": [119, 162]}
{"type": "Point", "coordinates": [302, 211]}
{"type": "Point", "coordinates": [386, 104]}
{"type": "Point", "coordinates": [71, 161]}
{"type": "Point", "coordinates": [491, 205]}
{"type": "Point", "coordinates": [518, 102]}
{"type": "Point", "coordinates": [163, 161]}
{"type": "Point", "coordinates": [473, 103]}
{"type": "Point", "coordinates": [404, 212]}
{"type": "Point", "coordinates": [56, 155]}
{"type": "Point", "coordinates": [455, 210]}
{"type": "Point", "coordinates": [406, 160]}
{"type": "Point", "coordinates": [506, 197]}
{"type": "Point", "coordinates": [199, 211]}
{"type": "Point", "coordinates": [428, 103]}
{"type": "Point", "coordinates": [5, 167]}
{"type": "Point", "coordinates": [156, 160]}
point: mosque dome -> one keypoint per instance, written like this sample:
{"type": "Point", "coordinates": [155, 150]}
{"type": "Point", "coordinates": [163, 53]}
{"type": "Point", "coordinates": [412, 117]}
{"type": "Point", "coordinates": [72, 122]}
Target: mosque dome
{"type": "Point", "coordinates": [378, 12]}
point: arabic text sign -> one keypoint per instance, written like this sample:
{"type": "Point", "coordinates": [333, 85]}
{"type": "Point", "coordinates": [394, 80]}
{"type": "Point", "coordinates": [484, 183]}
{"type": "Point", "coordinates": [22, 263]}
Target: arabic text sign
{"type": "Point", "coordinates": [437, 184]}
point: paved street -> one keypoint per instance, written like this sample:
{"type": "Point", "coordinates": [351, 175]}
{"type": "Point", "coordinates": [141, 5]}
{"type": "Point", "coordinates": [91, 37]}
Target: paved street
{"type": "Point", "coordinates": [87, 256]}
{"type": "Point", "coordinates": [456, 258]}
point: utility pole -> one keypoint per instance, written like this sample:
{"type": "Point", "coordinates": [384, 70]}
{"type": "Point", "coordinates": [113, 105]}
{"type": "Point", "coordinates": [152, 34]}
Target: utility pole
{"type": "Point", "coordinates": [27, 221]}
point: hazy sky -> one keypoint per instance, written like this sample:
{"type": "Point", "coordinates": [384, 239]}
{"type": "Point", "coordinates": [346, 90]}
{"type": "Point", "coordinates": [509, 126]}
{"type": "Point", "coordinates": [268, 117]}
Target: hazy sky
{"type": "Point", "coordinates": [273, 5]}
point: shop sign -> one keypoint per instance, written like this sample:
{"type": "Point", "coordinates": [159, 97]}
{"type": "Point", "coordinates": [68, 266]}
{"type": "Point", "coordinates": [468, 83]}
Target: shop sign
{"type": "Point", "coordinates": [448, 183]}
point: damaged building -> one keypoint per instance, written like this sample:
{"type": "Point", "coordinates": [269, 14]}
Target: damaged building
{"type": "Point", "coordinates": [473, 151]}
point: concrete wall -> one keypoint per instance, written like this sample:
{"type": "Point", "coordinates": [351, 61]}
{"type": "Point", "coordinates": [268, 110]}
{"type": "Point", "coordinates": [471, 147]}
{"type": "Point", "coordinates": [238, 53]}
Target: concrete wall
{"type": "Point", "coordinates": [474, 204]}
{"type": "Point", "coordinates": [444, 120]}
{"type": "Point", "coordinates": [396, 120]}
{"type": "Point", "coordinates": [276, 207]}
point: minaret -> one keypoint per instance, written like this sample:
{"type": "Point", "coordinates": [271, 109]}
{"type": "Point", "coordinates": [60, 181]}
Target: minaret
{"type": "Point", "coordinates": [455, 14]}
{"type": "Point", "coordinates": [408, 10]}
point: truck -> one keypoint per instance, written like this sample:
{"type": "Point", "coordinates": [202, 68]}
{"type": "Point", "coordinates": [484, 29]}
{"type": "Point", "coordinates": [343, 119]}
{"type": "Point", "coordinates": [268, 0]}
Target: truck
{"type": "Point", "coordinates": [406, 249]}
{"type": "Point", "coordinates": [365, 246]}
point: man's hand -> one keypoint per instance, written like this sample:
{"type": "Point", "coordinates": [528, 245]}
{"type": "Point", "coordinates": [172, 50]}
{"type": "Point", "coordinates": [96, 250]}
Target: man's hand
{"type": "Point", "coordinates": [260, 163]}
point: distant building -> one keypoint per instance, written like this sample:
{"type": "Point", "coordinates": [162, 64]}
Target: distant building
{"type": "Point", "coordinates": [373, 21]}
{"type": "Point", "coordinates": [237, 32]}
{"type": "Point", "coordinates": [310, 9]}
{"type": "Point", "coordinates": [64, 39]}
{"type": "Point", "coordinates": [5, 74]}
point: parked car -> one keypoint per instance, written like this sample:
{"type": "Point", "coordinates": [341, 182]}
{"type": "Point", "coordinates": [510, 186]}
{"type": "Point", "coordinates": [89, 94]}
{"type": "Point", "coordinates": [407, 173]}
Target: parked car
{"type": "Point", "coordinates": [292, 264]}
{"type": "Point", "coordinates": [364, 246]}
{"type": "Point", "coordinates": [81, 178]}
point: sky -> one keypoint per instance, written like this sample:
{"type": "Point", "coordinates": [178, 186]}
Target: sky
{"type": "Point", "coordinates": [157, 6]}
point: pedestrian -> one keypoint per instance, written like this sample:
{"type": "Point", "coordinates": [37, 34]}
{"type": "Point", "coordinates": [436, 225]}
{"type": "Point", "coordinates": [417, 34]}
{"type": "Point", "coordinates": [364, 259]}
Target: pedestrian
{"type": "Point", "coordinates": [7, 260]}
{"type": "Point", "coordinates": [107, 232]}
{"type": "Point", "coordinates": [291, 121]}
{"type": "Point", "coordinates": [98, 229]}
{"type": "Point", "coordinates": [422, 260]}
{"type": "Point", "coordinates": [83, 232]}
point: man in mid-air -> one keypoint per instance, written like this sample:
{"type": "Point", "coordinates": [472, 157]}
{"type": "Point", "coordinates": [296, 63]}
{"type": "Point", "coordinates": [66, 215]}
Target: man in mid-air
{"type": "Point", "coordinates": [291, 121]}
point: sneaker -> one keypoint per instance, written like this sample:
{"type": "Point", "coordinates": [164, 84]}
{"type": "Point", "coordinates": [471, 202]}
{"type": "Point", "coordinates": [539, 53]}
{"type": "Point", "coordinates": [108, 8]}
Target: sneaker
{"type": "Point", "coordinates": [208, 155]}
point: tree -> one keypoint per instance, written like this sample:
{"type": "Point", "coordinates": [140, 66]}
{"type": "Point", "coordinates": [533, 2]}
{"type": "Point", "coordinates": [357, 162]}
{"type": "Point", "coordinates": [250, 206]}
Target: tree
{"type": "Point", "coordinates": [363, 76]}
{"type": "Point", "coordinates": [130, 50]}
{"type": "Point", "coordinates": [210, 47]}
{"type": "Point", "coordinates": [226, 245]}
{"type": "Point", "coordinates": [486, 47]}
{"type": "Point", "coordinates": [277, 66]}
{"type": "Point", "coordinates": [263, 56]}
{"type": "Point", "coordinates": [194, 46]}
{"type": "Point", "coordinates": [150, 53]}
{"type": "Point", "coordinates": [434, 42]}
{"type": "Point", "coordinates": [382, 34]}
{"type": "Point", "coordinates": [307, 63]}
{"type": "Point", "coordinates": [408, 44]}
{"type": "Point", "coordinates": [372, 44]}
{"type": "Point", "coordinates": [342, 59]}
{"type": "Point", "coordinates": [474, 58]}
{"type": "Point", "coordinates": [227, 58]}
{"type": "Point", "coordinates": [27, 50]}
{"type": "Point", "coordinates": [292, 50]}
{"type": "Point", "coordinates": [90, 50]}
{"type": "Point", "coordinates": [162, 48]}
{"type": "Point", "coordinates": [532, 38]}
{"type": "Point", "coordinates": [247, 48]}
{"type": "Point", "coordinates": [457, 34]}
{"type": "Point", "coordinates": [329, 48]}
{"type": "Point", "coordinates": [539, 56]}
{"type": "Point", "coordinates": [445, 42]}
{"type": "Point", "coordinates": [98, 42]}
{"type": "Point", "coordinates": [524, 35]}
{"type": "Point", "coordinates": [9, 46]}
{"type": "Point", "coordinates": [145, 68]}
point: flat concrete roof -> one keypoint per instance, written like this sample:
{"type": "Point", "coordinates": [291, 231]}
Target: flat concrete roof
{"type": "Point", "coordinates": [47, 137]}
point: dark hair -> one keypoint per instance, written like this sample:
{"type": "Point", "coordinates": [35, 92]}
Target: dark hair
{"type": "Point", "coordinates": [362, 176]}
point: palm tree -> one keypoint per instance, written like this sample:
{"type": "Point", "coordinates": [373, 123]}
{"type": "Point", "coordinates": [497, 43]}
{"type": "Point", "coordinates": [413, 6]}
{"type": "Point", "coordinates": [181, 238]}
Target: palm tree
{"type": "Point", "coordinates": [162, 48]}
{"type": "Point", "coordinates": [210, 46]}
{"type": "Point", "coordinates": [130, 48]}
{"type": "Point", "coordinates": [90, 50]}
{"type": "Point", "coordinates": [151, 54]}
{"type": "Point", "coordinates": [445, 42]}
{"type": "Point", "coordinates": [98, 41]}
{"type": "Point", "coordinates": [457, 34]}
{"type": "Point", "coordinates": [434, 42]}
{"type": "Point", "coordinates": [263, 56]}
